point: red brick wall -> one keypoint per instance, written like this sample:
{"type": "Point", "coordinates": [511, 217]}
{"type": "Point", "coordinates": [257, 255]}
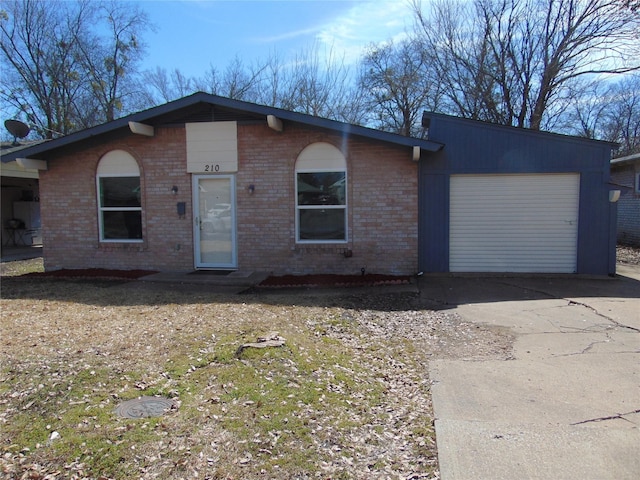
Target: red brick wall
{"type": "Point", "coordinates": [70, 217]}
{"type": "Point", "coordinates": [382, 206]}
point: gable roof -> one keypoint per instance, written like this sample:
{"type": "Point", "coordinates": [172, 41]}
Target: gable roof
{"type": "Point", "coordinates": [542, 135]}
{"type": "Point", "coordinates": [200, 104]}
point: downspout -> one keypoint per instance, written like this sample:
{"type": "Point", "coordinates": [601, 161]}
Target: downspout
{"type": "Point", "coordinates": [614, 195]}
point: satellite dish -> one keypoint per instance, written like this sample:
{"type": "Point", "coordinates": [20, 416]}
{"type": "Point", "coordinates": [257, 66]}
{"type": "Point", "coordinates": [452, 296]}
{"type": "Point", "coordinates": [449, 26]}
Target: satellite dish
{"type": "Point", "coordinates": [17, 129]}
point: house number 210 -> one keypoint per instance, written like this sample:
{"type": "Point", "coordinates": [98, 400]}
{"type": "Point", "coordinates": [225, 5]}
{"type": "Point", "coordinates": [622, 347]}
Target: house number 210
{"type": "Point", "coordinates": [212, 168]}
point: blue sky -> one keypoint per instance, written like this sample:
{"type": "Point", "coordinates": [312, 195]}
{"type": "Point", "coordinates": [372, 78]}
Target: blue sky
{"type": "Point", "coordinates": [192, 35]}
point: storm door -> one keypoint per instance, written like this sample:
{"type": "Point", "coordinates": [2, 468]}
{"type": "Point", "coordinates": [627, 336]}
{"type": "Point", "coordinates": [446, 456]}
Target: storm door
{"type": "Point", "coordinates": [215, 221]}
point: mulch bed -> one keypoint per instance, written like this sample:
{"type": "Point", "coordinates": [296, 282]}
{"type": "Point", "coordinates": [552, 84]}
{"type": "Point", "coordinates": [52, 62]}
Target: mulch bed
{"type": "Point", "coordinates": [317, 280]}
{"type": "Point", "coordinates": [327, 280]}
{"type": "Point", "coordinates": [93, 273]}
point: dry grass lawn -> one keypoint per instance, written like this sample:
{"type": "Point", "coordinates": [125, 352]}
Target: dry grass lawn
{"type": "Point", "coordinates": [347, 396]}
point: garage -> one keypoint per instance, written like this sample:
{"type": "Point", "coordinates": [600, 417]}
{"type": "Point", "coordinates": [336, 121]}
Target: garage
{"type": "Point", "coordinates": [514, 223]}
{"type": "Point", "coordinates": [505, 199]}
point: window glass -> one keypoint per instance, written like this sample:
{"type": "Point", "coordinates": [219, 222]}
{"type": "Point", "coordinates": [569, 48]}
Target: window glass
{"type": "Point", "coordinates": [326, 188]}
{"type": "Point", "coordinates": [120, 191]}
{"type": "Point", "coordinates": [118, 225]}
{"type": "Point", "coordinates": [322, 224]}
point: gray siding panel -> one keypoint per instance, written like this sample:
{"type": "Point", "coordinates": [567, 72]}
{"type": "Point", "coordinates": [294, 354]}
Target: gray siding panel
{"type": "Point", "coordinates": [624, 179]}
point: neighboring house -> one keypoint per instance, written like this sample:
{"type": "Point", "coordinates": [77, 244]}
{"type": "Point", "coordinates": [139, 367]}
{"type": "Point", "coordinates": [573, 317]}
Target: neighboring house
{"type": "Point", "coordinates": [625, 175]}
{"type": "Point", "coordinates": [207, 182]}
{"type": "Point", "coordinates": [20, 210]}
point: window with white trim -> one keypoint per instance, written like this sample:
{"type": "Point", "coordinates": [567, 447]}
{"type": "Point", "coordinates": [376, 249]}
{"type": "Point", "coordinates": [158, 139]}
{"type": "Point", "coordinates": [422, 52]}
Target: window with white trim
{"type": "Point", "coordinates": [119, 205]}
{"type": "Point", "coordinates": [638, 182]}
{"type": "Point", "coordinates": [321, 195]}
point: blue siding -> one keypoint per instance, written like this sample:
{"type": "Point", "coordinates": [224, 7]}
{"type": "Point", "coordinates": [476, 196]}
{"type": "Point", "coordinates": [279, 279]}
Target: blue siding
{"type": "Point", "coordinates": [434, 235]}
{"type": "Point", "coordinates": [593, 224]}
{"type": "Point", "coordinates": [479, 148]}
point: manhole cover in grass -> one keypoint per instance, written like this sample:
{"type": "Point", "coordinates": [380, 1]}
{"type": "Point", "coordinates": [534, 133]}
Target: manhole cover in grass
{"type": "Point", "coordinates": [144, 407]}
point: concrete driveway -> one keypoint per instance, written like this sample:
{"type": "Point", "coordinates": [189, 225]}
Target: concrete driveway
{"type": "Point", "coordinates": [567, 405]}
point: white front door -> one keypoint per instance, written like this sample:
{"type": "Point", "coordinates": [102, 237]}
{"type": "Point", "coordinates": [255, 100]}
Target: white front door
{"type": "Point", "coordinates": [215, 221]}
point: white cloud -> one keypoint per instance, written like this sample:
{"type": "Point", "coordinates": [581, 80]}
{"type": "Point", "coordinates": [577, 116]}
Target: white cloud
{"type": "Point", "coordinates": [289, 35]}
{"type": "Point", "coordinates": [365, 23]}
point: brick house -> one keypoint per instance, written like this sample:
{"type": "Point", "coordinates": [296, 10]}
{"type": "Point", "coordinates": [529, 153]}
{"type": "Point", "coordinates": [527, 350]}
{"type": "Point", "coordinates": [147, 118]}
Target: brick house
{"type": "Point", "coordinates": [625, 175]}
{"type": "Point", "coordinates": [207, 182]}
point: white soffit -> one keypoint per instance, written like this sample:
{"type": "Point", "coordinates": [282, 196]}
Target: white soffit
{"type": "Point", "coordinates": [12, 169]}
{"type": "Point", "coordinates": [32, 164]}
{"type": "Point", "coordinates": [212, 147]}
{"type": "Point", "coordinates": [514, 223]}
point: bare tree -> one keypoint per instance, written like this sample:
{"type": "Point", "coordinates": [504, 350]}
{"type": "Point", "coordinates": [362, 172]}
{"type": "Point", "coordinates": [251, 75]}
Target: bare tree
{"type": "Point", "coordinates": [312, 82]}
{"type": "Point", "coordinates": [633, 5]}
{"type": "Point", "coordinates": [58, 74]}
{"type": "Point", "coordinates": [316, 82]}
{"type": "Point", "coordinates": [161, 86]}
{"type": "Point", "coordinates": [237, 81]}
{"type": "Point", "coordinates": [609, 110]}
{"type": "Point", "coordinates": [42, 78]}
{"type": "Point", "coordinates": [622, 123]}
{"type": "Point", "coordinates": [398, 84]}
{"type": "Point", "coordinates": [507, 61]}
{"type": "Point", "coordinates": [110, 62]}
{"type": "Point", "coordinates": [588, 109]}
{"type": "Point", "coordinates": [273, 79]}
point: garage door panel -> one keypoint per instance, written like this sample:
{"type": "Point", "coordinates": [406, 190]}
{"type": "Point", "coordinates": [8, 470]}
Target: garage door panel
{"type": "Point", "coordinates": [513, 223]}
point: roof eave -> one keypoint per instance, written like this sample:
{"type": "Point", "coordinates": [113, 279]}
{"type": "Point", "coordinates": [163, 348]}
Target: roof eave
{"type": "Point", "coordinates": [634, 157]}
{"type": "Point", "coordinates": [200, 97]}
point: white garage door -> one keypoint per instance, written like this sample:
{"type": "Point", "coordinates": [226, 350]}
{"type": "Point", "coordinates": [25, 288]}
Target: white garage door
{"type": "Point", "coordinates": [514, 223]}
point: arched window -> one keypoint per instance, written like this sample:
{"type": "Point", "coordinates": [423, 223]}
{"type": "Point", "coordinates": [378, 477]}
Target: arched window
{"type": "Point", "coordinates": [321, 195]}
{"type": "Point", "coordinates": [119, 207]}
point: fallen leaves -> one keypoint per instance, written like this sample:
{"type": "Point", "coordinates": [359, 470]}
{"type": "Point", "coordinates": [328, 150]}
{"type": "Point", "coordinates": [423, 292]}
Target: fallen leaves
{"type": "Point", "coordinates": [345, 395]}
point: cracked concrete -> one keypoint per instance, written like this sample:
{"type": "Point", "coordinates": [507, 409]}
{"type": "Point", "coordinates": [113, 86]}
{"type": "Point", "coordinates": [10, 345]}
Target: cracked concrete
{"type": "Point", "coordinates": [621, 416]}
{"type": "Point", "coordinates": [567, 406]}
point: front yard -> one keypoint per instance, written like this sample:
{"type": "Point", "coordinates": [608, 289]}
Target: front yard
{"type": "Point", "coordinates": [346, 396]}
